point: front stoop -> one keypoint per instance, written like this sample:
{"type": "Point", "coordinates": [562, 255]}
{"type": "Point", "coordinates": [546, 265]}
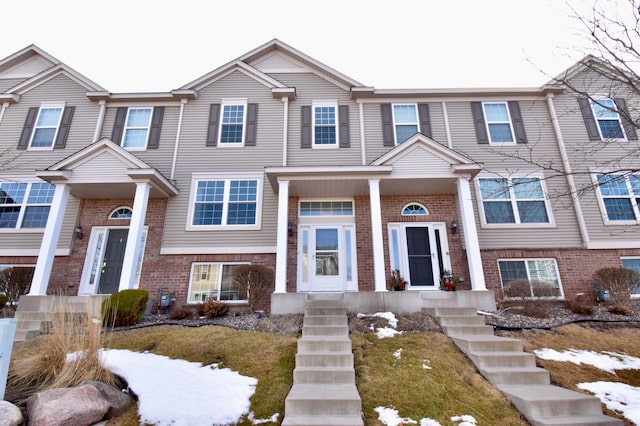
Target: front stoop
{"type": "Point", "coordinates": [503, 363]}
{"type": "Point", "coordinates": [324, 390]}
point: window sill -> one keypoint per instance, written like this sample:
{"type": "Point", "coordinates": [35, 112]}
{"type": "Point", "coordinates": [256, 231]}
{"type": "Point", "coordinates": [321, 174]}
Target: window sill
{"type": "Point", "coordinates": [518, 225]}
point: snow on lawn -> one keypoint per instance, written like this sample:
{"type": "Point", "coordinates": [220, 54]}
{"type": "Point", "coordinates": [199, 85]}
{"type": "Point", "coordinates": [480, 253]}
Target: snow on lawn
{"type": "Point", "coordinates": [384, 332]}
{"type": "Point", "coordinates": [618, 397]}
{"type": "Point", "coordinates": [390, 417]}
{"type": "Point", "coordinates": [179, 393]}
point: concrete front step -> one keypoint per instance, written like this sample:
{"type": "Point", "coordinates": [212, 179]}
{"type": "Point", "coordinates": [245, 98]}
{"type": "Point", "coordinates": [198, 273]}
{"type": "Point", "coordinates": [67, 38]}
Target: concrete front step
{"type": "Point", "coordinates": [325, 320]}
{"type": "Point", "coordinates": [325, 310]}
{"type": "Point", "coordinates": [324, 375]}
{"type": "Point", "coordinates": [324, 344]}
{"type": "Point", "coordinates": [548, 400]}
{"type": "Point", "coordinates": [503, 359]}
{"type": "Point", "coordinates": [461, 320]}
{"type": "Point", "coordinates": [304, 420]}
{"type": "Point", "coordinates": [515, 375]}
{"type": "Point", "coordinates": [600, 420]}
{"type": "Point", "coordinates": [483, 343]}
{"type": "Point", "coordinates": [325, 330]}
{"type": "Point", "coordinates": [468, 330]}
{"type": "Point", "coordinates": [454, 310]}
{"type": "Point", "coordinates": [324, 359]}
{"type": "Point", "coordinates": [320, 399]}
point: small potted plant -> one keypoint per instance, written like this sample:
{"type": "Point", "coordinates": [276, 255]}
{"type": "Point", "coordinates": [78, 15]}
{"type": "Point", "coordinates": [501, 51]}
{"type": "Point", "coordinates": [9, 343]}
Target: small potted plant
{"type": "Point", "coordinates": [448, 281]}
{"type": "Point", "coordinates": [397, 282]}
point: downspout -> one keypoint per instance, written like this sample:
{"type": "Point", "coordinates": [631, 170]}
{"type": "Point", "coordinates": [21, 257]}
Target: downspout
{"type": "Point", "coordinates": [2, 109]}
{"type": "Point", "coordinates": [285, 125]}
{"type": "Point", "coordinates": [362, 138]}
{"type": "Point", "coordinates": [567, 168]}
{"type": "Point", "coordinates": [103, 109]}
{"type": "Point", "coordinates": [175, 148]}
{"type": "Point", "coordinates": [446, 125]}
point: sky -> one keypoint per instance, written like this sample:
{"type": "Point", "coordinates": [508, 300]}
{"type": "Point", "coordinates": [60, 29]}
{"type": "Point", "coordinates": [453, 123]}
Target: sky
{"type": "Point", "coordinates": [202, 395]}
{"type": "Point", "coordinates": [158, 46]}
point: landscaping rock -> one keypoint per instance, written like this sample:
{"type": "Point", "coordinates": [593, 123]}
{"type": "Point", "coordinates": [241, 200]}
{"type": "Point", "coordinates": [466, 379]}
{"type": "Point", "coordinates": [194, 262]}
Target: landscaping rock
{"type": "Point", "coordinates": [119, 401]}
{"type": "Point", "coordinates": [80, 406]}
{"type": "Point", "coordinates": [10, 415]}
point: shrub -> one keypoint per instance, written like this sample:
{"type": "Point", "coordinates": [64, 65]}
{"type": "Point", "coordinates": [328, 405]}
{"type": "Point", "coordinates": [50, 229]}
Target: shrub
{"type": "Point", "coordinates": [124, 308]}
{"type": "Point", "coordinates": [3, 300]}
{"type": "Point", "coordinates": [620, 310]}
{"type": "Point", "coordinates": [180, 312]}
{"type": "Point", "coordinates": [534, 298]}
{"type": "Point", "coordinates": [14, 282]}
{"type": "Point", "coordinates": [212, 308]}
{"type": "Point", "coordinates": [256, 281]}
{"type": "Point", "coordinates": [581, 305]}
{"type": "Point", "coordinates": [620, 282]}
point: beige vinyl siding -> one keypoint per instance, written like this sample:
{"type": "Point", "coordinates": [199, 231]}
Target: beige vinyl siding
{"type": "Point", "coordinates": [58, 89]}
{"type": "Point", "coordinates": [586, 156]}
{"type": "Point", "coordinates": [506, 160]}
{"type": "Point", "coordinates": [7, 83]}
{"type": "Point", "coordinates": [19, 240]}
{"type": "Point", "coordinates": [309, 88]}
{"type": "Point", "coordinates": [196, 157]}
{"type": "Point", "coordinates": [162, 157]}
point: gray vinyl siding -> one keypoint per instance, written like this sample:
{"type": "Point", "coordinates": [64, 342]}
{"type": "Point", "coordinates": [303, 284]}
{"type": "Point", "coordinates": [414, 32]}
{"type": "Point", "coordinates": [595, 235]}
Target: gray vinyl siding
{"type": "Point", "coordinates": [309, 88]}
{"type": "Point", "coordinates": [58, 89]}
{"type": "Point", "coordinates": [162, 157]}
{"type": "Point", "coordinates": [542, 147]}
{"type": "Point", "coordinates": [195, 157]}
{"type": "Point", "coordinates": [586, 155]}
{"type": "Point", "coordinates": [8, 83]}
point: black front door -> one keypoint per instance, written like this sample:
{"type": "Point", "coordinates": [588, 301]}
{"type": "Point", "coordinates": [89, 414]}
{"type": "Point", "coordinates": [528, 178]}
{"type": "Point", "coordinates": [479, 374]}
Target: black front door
{"type": "Point", "coordinates": [420, 259]}
{"type": "Point", "coordinates": [112, 261]}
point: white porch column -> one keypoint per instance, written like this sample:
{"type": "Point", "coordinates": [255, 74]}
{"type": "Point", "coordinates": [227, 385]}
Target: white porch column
{"type": "Point", "coordinates": [380, 280]}
{"type": "Point", "coordinates": [136, 228]}
{"type": "Point", "coordinates": [47, 252]}
{"type": "Point", "coordinates": [282, 238]}
{"type": "Point", "coordinates": [470, 236]}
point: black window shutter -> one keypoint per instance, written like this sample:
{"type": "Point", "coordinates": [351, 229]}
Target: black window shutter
{"type": "Point", "coordinates": [425, 119]}
{"type": "Point", "coordinates": [118, 125]}
{"type": "Point", "coordinates": [65, 125]}
{"type": "Point", "coordinates": [25, 137]}
{"type": "Point", "coordinates": [156, 126]}
{"type": "Point", "coordinates": [478, 122]}
{"type": "Point", "coordinates": [252, 125]}
{"type": "Point", "coordinates": [589, 120]}
{"type": "Point", "coordinates": [212, 129]}
{"type": "Point", "coordinates": [516, 121]}
{"type": "Point", "coordinates": [343, 119]}
{"type": "Point", "coordinates": [387, 125]}
{"type": "Point", "coordinates": [629, 128]}
{"type": "Point", "coordinates": [305, 140]}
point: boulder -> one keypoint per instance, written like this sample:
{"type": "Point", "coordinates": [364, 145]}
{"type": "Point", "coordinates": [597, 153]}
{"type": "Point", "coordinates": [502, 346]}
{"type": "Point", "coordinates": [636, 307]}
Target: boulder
{"type": "Point", "coordinates": [118, 400]}
{"type": "Point", "coordinates": [10, 415]}
{"type": "Point", "coordinates": [80, 406]}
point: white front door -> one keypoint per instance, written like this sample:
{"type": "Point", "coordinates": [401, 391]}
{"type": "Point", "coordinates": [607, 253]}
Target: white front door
{"type": "Point", "coordinates": [326, 256]}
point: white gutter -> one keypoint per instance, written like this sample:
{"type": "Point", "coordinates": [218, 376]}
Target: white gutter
{"type": "Point", "coordinates": [183, 101]}
{"type": "Point", "coordinates": [446, 125]}
{"type": "Point", "coordinates": [285, 139]}
{"type": "Point", "coordinates": [363, 150]}
{"type": "Point", "coordinates": [567, 168]}
{"type": "Point", "coordinates": [103, 109]}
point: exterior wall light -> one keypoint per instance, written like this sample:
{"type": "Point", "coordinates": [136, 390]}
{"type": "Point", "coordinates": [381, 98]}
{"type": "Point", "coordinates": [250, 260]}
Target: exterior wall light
{"type": "Point", "coordinates": [78, 231]}
{"type": "Point", "coordinates": [454, 226]}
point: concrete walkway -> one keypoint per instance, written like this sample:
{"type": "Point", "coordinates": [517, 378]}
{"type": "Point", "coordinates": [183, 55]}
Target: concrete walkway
{"type": "Point", "coordinates": [505, 365]}
{"type": "Point", "coordinates": [324, 389]}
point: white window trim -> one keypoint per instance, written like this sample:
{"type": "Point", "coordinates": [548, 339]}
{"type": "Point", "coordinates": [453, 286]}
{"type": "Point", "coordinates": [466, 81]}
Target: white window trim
{"type": "Point", "coordinates": [120, 208]}
{"type": "Point", "coordinates": [325, 200]}
{"type": "Point", "coordinates": [148, 127]}
{"type": "Point", "coordinates": [633, 295]}
{"type": "Point", "coordinates": [402, 213]}
{"type": "Point", "coordinates": [23, 208]}
{"type": "Point", "coordinates": [334, 105]}
{"type": "Point", "coordinates": [525, 260]}
{"type": "Point", "coordinates": [197, 177]}
{"type": "Point", "coordinates": [510, 122]}
{"type": "Point", "coordinates": [512, 199]}
{"type": "Point", "coordinates": [230, 302]}
{"type": "Point", "coordinates": [396, 124]}
{"type": "Point", "coordinates": [603, 208]}
{"type": "Point", "coordinates": [232, 102]}
{"type": "Point", "coordinates": [597, 98]}
{"type": "Point", "coordinates": [60, 105]}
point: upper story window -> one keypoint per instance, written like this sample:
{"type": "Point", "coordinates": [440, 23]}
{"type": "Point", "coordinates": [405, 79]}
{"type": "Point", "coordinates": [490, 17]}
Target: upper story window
{"type": "Point", "coordinates": [232, 124]}
{"type": "Point", "coordinates": [619, 195]}
{"type": "Point", "coordinates": [138, 128]}
{"type": "Point", "coordinates": [405, 121]}
{"type": "Point", "coordinates": [46, 127]}
{"type": "Point", "coordinates": [414, 209]}
{"type": "Point", "coordinates": [498, 122]}
{"type": "Point", "coordinates": [25, 205]}
{"type": "Point", "coordinates": [608, 119]}
{"type": "Point", "coordinates": [513, 201]}
{"type": "Point", "coordinates": [325, 132]}
{"type": "Point", "coordinates": [225, 202]}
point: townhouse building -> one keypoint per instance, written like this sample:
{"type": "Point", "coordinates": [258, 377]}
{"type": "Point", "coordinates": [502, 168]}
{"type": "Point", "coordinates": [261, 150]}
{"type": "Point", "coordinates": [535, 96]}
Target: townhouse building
{"type": "Point", "coordinates": [277, 159]}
